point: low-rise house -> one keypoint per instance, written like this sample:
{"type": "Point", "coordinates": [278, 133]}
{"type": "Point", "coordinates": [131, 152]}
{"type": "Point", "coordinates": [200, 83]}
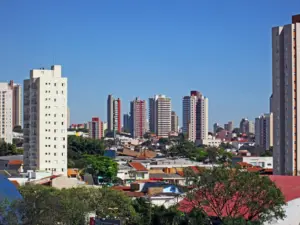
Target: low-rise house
{"type": "Point", "coordinates": [141, 172]}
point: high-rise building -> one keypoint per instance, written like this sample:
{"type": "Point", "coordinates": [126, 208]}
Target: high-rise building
{"type": "Point", "coordinates": [104, 128]}
{"type": "Point", "coordinates": [138, 118]}
{"type": "Point", "coordinates": [286, 98]}
{"type": "Point", "coordinates": [126, 123]}
{"type": "Point", "coordinates": [264, 131]}
{"type": "Point", "coordinates": [174, 121]}
{"type": "Point", "coordinates": [229, 126]}
{"type": "Point", "coordinates": [45, 121]}
{"type": "Point", "coordinates": [195, 116]}
{"type": "Point", "coordinates": [113, 114]}
{"type": "Point", "coordinates": [17, 119]}
{"type": "Point", "coordinates": [216, 126]}
{"type": "Point", "coordinates": [6, 113]}
{"type": "Point", "coordinates": [246, 126]}
{"type": "Point", "coordinates": [96, 128]}
{"type": "Point", "coordinates": [160, 115]}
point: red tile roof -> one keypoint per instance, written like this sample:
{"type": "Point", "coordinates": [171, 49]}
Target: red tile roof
{"type": "Point", "coordinates": [134, 194]}
{"type": "Point", "coordinates": [254, 169]}
{"type": "Point", "coordinates": [15, 162]}
{"type": "Point", "coordinates": [195, 169]}
{"type": "Point", "coordinates": [138, 166]}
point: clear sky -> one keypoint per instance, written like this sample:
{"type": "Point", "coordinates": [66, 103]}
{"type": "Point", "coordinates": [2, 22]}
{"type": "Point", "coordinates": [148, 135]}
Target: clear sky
{"type": "Point", "coordinates": [137, 48]}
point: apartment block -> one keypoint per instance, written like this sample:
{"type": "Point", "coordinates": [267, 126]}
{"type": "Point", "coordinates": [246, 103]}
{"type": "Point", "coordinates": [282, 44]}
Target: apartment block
{"type": "Point", "coordinates": [285, 96]}
{"type": "Point", "coordinates": [95, 128]}
{"type": "Point", "coordinates": [174, 121]}
{"type": "Point", "coordinates": [113, 114]}
{"type": "Point", "coordinates": [195, 116]}
{"type": "Point", "coordinates": [138, 118]}
{"type": "Point", "coordinates": [229, 126]}
{"type": "Point", "coordinates": [264, 131]}
{"type": "Point", "coordinates": [6, 113]}
{"type": "Point", "coordinates": [160, 115]}
{"type": "Point", "coordinates": [45, 120]}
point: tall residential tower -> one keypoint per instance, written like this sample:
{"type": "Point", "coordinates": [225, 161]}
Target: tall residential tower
{"type": "Point", "coordinates": [138, 118]}
{"type": "Point", "coordinates": [286, 98]}
{"type": "Point", "coordinates": [45, 121]}
{"type": "Point", "coordinates": [113, 114]}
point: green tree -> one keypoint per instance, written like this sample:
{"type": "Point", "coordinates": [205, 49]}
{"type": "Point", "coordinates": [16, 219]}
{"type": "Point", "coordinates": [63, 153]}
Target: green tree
{"type": "Point", "coordinates": [101, 166]}
{"type": "Point", "coordinates": [8, 149]}
{"type": "Point", "coordinates": [231, 193]}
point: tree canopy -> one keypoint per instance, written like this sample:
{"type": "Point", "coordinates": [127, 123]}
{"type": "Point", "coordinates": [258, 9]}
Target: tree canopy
{"type": "Point", "coordinates": [231, 194]}
{"type": "Point", "coordinates": [9, 149]}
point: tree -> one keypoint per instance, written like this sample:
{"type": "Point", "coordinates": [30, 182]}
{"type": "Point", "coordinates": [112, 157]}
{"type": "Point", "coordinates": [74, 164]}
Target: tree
{"type": "Point", "coordinates": [231, 194]}
{"type": "Point", "coordinates": [8, 149]}
{"type": "Point", "coordinates": [101, 166]}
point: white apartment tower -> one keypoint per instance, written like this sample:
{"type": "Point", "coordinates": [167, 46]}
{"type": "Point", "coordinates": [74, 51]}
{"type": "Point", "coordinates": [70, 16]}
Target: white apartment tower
{"type": "Point", "coordinates": [45, 121]}
{"type": "Point", "coordinates": [195, 116]}
{"type": "Point", "coordinates": [264, 131]}
{"type": "Point", "coordinates": [160, 115]}
{"type": "Point", "coordinates": [6, 113]}
{"type": "Point", "coordinates": [285, 96]}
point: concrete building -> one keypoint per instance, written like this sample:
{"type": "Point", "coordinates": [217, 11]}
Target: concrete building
{"type": "Point", "coordinates": [229, 126]}
{"type": "Point", "coordinates": [216, 126]}
{"type": "Point", "coordinates": [126, 123]}
{"type": "Point", "coordinates": [113, 114]}
{"type": "Point", "coordinates": [96, 128]}
{"type": "Point", "coordinates": [160, 115]}
{"type": "Point", "coordinates": [6, 113]}
{"type": "Point", "coordinates": [264, 131]}
{"type": "Point", "coordinates": [195, 116]}
{"type": "Point", "coordinates": [17, 106]}
{"type": "Point", "coordinates": [45, 121]}
{"type": "Point", "coordinates": [174, 122]}
{"type": "Point", "coordinates": [285, 96]}
{"type": "Point", "coordinates": [138, 118]}
{"type": "Point", "coordinates": [104, 128]}
{"type": "Point", "coordinates": [246, 126]}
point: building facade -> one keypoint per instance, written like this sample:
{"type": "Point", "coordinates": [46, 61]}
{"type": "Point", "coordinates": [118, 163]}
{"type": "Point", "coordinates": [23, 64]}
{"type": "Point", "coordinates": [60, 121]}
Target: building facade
{"type": "Point", "coordinates": [126, 123]}
{"type": "Point", "coordinates": [17, 113]}
{"type": "Point", "coordinates": [160, 115]}
{"type": "Point", "coordinates": [285, 96]}
{"type": "Point", "coordinates": [247, 127]}
{"type": "Point", "coordinates": [138, 118]}
{"type": "Point", "coordinates": [174, 121]}
{"type": "Point", "coordinates": [45, 121]}
{"type": "Point", "coordinates": [229, 126]}
{"type": "Point", "coordinates": [113, 114]}
{"type": "Point", "coordinates": [195, 116]}
{"type": "Point", "coordinates": [264, 131]}
{"type": "Point", "coordinates": [6, 113]}
{"type": "Point", "coordinates": [96, 128]}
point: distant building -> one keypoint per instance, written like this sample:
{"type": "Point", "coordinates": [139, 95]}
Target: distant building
{"type": "Point", "coordinates": [160, 115]}
{"type": "Point", "coordinates": [126, 123]}
{"type": "Point", "coordinates": [113, 114]}
{"type": "Point", "coordinates": [264, 131]}
{"type": "Point", "coordinates": [45, 121]}
{"type": "Point", "coordinates": [195, 116]}
{"type": "Point", "coordinates": [6, 112]}
{"type": "Point", "coordinates": [96, 128]}
{"type": "Point", "coordinates": [174, 122]}
{"type": "Point", "coordinates": [246, 126]}
{"type": "Point", "coordinates": [229, 126]}
{"type": "Point", "coordinates": [104, 128]}
{"type": "Point", "coordinates": [138, 118]}
{"type": "Point", "coordinates": [216, 127]}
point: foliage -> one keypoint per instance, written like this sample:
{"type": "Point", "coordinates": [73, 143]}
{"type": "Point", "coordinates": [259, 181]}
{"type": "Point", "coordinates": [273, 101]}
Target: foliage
{"type": "Point", "coordinates": [8, 149]}
{"type": "Point", "coordinates": [267, 153]}
{"type": "Point", "coordinates": [18, 129]}
{"type": "Point", "coordinates": [231, 193]}
{"type": "Point", "coordinates": [79, 146]}
{"type": "Point", "coordinates": [44, 205]}
{"type": "Point", "coordinates": [164, 141]}
{"type": "Point", "coordinates": [18, 142]}
{"type": "Point", "coordinates": [101, 166]}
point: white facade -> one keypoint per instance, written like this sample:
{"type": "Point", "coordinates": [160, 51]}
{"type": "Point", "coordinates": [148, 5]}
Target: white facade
{"type": "Point", "coordinates": [211, 142]}
{"type": "Point", "coordinates": [264, 162]}
{"type": "Point", "coordinates": [6, 113]}
{"type": "Point", "coordinates": [285, 96]}
{"type": "Point", "coordinates": [45, 121]}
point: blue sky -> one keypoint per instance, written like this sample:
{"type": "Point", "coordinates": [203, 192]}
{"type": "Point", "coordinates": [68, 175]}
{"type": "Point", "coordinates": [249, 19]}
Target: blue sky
{"type": "Point", "coordinates": [141, 48]}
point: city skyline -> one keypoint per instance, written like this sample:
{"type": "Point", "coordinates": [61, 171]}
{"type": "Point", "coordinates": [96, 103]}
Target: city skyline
{"type": "Point", "coordinates": [181, 55]}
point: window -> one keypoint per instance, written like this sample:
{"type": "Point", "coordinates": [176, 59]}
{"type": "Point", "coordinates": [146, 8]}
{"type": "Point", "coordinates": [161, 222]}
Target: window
{"type": "Point", "coordinates": [54, 123]}
{"type": "Point", "coordinates": [54, 147]}
{"type": "Point", "coordinates": [62, 170]}
{"type": "Point", "coordinates": [54, 84]}
{"type": "Point", "coordinates": [62, 115]}
{"type": "Point", "coordinates": [54, 153]}
{"type": "Point", "coordinates": [64, 146]}
{"type": "Point", "coordinates": [62, 123]}
{"type": "Point", "coordinates": [55, 139]}
{"type": "Point", "coordinates": [62, 154]}
{"type": "Point", "coordinates": [55, 99]}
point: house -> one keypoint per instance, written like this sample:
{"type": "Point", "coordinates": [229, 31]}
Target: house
{"type": "Point", "coordinates": [141, 173]}
{"type": "Point", "coordinates": [13, 163]}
